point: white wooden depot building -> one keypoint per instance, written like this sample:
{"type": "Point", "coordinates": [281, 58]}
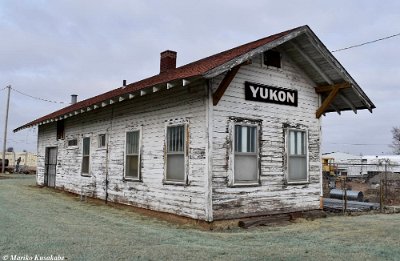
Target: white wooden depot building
{"type": "Point", "coordinates": [233, 135]}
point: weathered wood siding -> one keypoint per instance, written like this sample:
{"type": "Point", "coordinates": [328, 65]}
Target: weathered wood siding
{"type": "Point", "coordinates": [273, 195]}
{"type": "Point", "coordinates": [208, 195]}
{"type": "Point", "coordinates": [151, 113]}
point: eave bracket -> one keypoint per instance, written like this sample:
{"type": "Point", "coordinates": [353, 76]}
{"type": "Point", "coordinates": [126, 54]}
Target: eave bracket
{"type": "Point", "coordinates": [333, 92]}
{"type": "Point", "coordinates": [217, 95]}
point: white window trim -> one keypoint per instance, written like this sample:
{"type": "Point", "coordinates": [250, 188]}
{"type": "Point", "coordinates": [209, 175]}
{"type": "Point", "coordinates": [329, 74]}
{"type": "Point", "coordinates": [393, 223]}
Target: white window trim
{"type": "Point", "coordinates": [139, 178]}
{"type": "Point", "coordinates": [98, 141]}
{"type": "Point", "coordinates": [231, 180]}
{"type": "Point", "coordinates": [90, 158]}
{"type": "Point", "coordinates": [184, 123]}
{"type": "Point", "coordinates": [287, 157]}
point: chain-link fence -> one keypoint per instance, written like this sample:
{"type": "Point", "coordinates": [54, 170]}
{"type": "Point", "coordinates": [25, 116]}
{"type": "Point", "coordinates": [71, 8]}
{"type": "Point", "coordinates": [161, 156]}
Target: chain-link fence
{"type": "Point", "coordinates": [349, 187]}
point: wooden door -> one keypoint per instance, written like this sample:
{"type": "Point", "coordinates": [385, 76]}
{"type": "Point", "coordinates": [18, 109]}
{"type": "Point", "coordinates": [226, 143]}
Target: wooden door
{"type": "Point", "coordinates": [50, 167]}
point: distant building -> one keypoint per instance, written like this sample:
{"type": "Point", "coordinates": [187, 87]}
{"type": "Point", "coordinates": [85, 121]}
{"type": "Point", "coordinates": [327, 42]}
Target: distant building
{"type": "Point", "coordinates": [343, 163]}
{"type": "Point", "coordinates": [358, 165]}
{"type": "Point", "coordinates": [28, 159]}
{"type": "Point", "coordinates": [376, 163]}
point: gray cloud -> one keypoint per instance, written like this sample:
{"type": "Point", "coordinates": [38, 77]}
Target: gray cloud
{"type": "Point", "coordinates": [55, 48]}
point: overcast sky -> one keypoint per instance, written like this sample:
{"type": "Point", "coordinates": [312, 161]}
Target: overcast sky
{"type": "Point", "coordinates": [52, 49]}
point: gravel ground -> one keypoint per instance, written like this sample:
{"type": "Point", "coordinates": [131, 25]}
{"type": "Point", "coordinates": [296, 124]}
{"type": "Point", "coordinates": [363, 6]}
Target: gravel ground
{"type": "Point", "coordinates": [43, 222]}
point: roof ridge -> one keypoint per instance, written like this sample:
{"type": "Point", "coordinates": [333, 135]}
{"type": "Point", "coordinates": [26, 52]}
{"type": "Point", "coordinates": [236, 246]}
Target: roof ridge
{"type": "Point", "coordinates": [244, 45]}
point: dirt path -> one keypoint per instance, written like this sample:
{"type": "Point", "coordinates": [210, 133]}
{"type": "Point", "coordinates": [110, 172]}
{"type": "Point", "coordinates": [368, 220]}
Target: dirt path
{"type": "Point", "coordinates": [43, 222]}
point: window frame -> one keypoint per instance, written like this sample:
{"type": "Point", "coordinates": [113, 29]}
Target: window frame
{"type": "Point", "coordinates": [99, 145]}
{"type": "Point", "coordinates": [88, 174]}
{"type": "Point", "coordinates": [232, 134]}
{"type": "Point", "coordinates": [72, 146]}
{"type": "Point", "coordinates": [60, 125]}
{"type": "Point", "coordinates": [288, 156]}
{"type": "Point", "coordinates": [272, 66]}
{"type": "Point", "coordinates": [139, 176]}
{"type": "Point", "coordinates": [185, 125]}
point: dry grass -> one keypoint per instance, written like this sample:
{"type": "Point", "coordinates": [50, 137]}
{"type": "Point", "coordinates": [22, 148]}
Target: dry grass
{"type": "Point", "coordinates": [41, 221]}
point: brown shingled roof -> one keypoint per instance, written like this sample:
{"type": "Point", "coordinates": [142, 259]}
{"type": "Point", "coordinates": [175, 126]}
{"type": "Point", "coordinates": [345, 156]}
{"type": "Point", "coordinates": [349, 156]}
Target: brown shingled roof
{"type": "Point", "coordinates": [197, 68]}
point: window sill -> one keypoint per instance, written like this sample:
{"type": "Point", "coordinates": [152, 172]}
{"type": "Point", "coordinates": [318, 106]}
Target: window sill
{"type": "Point", "coordinates": [297, 182]}
{"type": "Point", "coordinates": [131, 180]}
{"type": "Point", "coordinates": [72, 147]}
{"type": "Point", "coordinates": [249, 184]}
{"type": "Point", "coordinates": [86, 175]}
{"type": "Point", "coordinates": [270, 67]}
{"type": "Point", "coordinates": [101, 148]}
{"type": "Point", "coordinates": [177, 183]}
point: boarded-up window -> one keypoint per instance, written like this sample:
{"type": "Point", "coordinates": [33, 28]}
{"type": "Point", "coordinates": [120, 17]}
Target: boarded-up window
{"type": "Point", "coordinates": [73, 142]}
{"type": "Point", "coordinates": [101, 141]}
{"type": "Point", "coordinates": [60, 130]}
{"type": "Point", "coordinates": [86, 155]}
{"type": "Point", "coordinates": [176, 153]}
{"type": "Point", "coordinates": [245, 158]}
{"type": "Point", "coordinates": [297, 156]}
{"type": "Point", "coordinates": [132, 160]}
{"type": "Point", "coordinates": [272, 58]}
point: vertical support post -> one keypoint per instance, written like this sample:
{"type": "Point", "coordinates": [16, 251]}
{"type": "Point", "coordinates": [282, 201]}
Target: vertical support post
{"type": "Point", "coordinates": [5, 130]}
{"type": "Point", "coordinates": [345, 195]}
{"type": "Point", "coordinates": [342, 186]}
{"type": "Point", "coordinates": [386, 181]}
{"type": "Point", "coordinates": [381, 193]}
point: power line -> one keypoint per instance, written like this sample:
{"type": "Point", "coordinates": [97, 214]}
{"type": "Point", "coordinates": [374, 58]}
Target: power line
{"type": "Point", "coordinates": [337, 50]}
{"type": "Point", "coordinates": [370, 42]}
{"type": "Point", "coordinates": [37, 98]}
{"type": "Point", "coordinates": [3, 88]}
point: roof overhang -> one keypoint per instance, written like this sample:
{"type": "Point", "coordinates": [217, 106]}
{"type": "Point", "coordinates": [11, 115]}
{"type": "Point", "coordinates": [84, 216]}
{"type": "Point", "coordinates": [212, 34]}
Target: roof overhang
{"type": "Point", "coordinates": [339, 91]}
{"type": "Point", "coordinates": [104, 100]}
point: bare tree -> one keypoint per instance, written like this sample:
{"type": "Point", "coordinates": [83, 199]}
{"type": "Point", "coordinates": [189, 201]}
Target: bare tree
{"type": "Point", "coordinates": [396, 140]}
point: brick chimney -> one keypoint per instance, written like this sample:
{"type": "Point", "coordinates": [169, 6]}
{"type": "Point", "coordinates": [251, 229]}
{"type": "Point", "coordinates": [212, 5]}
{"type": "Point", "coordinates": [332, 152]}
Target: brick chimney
{"type": "Point", "coordinates": [167, 61]}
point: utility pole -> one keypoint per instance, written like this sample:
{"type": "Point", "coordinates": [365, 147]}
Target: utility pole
{"type": "Point", "coordinates": [386, 178]}
{"type": "Point", "coordinates": [5, 130]}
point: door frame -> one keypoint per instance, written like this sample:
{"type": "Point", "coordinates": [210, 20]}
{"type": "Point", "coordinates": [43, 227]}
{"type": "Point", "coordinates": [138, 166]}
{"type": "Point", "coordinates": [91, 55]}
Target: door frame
{"type": "Point", "coordinates": [47, 165]}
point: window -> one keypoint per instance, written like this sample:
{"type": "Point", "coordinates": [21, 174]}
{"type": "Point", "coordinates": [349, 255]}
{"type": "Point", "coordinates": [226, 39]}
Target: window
{"type": "Point", "coordinates": [245, 154]}
{"type": "Point", "coordinates": [272, 58]}
{"type": "Point", "coordinates": [175, 169]}
{"type": "Point", "coordinates": [102, 141]}
{"type": "Point", "coordinates": [132, 160]}
{"type": "Point", "coordinates": [86, 155]}
{"type": "Point", "coordinates": [60, 130]}
{"type": "Point", "coordinates": [297, 156]}
{"type": "Point", "coordinates": [73, 142]}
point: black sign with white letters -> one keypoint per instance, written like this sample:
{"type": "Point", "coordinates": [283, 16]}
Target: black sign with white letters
{"type": "Point", "coordinates": [264, 93]}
